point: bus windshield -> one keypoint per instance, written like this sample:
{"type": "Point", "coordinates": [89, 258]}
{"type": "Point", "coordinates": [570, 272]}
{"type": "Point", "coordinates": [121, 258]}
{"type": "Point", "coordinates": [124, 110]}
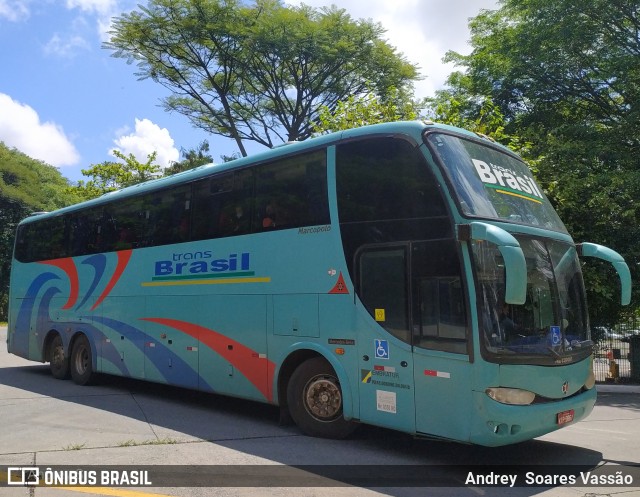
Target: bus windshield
{"type": "Point", "coordinates": [492, 184]}
{"type": "Point", "coordinates": [551, 326]}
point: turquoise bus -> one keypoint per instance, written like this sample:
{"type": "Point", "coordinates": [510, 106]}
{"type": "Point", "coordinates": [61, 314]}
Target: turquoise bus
{"type": "Point", "coordinates": [408, 275]}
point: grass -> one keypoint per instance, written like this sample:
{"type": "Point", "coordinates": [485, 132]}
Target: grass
{"type": "Point", "coordinates": [75, 446]}
{"type": "Point", "coordinates": [159, 441]}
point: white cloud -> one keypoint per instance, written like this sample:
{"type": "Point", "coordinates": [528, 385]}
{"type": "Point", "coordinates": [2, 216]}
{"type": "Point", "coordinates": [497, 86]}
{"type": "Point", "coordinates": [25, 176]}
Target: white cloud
{"type": "Point", "coordinates": [101, 7]}
{"type": "Point", "coordinates": [66, 48]}
{"type": "Point", "coordinates": [422, 30]}
{"type": "Point", "coordinates": [20, 127]}
{"type": "Point", "coordinates": [104, 10]}
{"type": "Point", "coordinates": [14, 11]}
{"type": "Point", "coordinates": [146, 139]}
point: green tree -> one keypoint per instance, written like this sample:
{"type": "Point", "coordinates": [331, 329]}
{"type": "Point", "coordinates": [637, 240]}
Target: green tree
{"type": "Point", "coordinates": [457, 105]}
{"type": "Point", "coordinates": [565, 77]}
{"type": "Point", "coordinates": [191, 159]}
{"type": "Point", "coordinates": [26, 186]}
{"type": "Point", "coordinates": [365, 109]}
{"type": "Point", "coordinates": [109, 175]}
{"type": "Point", "coordinates": [257, 72]}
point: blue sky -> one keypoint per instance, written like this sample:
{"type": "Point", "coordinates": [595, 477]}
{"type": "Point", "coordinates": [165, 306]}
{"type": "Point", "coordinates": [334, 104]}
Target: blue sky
{"type": "Point", "coordinates": [66, 101]}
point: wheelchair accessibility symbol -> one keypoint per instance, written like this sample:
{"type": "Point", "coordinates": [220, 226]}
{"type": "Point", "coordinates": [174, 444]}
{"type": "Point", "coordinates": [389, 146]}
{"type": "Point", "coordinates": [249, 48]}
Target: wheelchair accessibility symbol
{"type": "Point", "coordinates": [382, 349]}
{"type": "Point", "coordinates": [556, 337]}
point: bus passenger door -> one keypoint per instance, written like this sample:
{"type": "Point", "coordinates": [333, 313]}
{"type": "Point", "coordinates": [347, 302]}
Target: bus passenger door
{"type": "Point", "coordinates": [442, 370]}
{"type": "Point", "coordinates": [384, 342]}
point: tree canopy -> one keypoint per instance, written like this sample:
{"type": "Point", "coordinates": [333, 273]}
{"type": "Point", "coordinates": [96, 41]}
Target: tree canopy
{"type": "Point", "coordinates": [365, 109]}
{"type": "Point", "coordinates": [111, 175]}
{"type": "Point", "coordinates": [565, 77]}
{"type": "Point", "coordinates": [26, 186]}
{"type": "Point", "coordinates": [258, 72]}
{"type": "Point", "coordinates": [192, 158]}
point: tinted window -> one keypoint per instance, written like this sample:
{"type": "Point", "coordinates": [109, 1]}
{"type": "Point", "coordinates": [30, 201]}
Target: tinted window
{"type": "Point", "coordinates": [292, 193]}
{"type": "Point", "coordinates": [42, 241]}
{"type": "Point", "coordinates": [289, 193]}
{"type": "Point", "coordinates": [167, 217]}
{"type": "Point", "coordinates": [223, 205]}
{"type": "Point", "coordinates": [439, 311]}
{"type": "Point", "coordinates": [386, 194]}
{"type": "Point", "coordinates": [85, 231]}
{"type": "Point", "coordinates": [385, 179]}
{"type": "Point", "coordinates": [383, 288]}
{"type": "Point", "coordinates": [398, 242]}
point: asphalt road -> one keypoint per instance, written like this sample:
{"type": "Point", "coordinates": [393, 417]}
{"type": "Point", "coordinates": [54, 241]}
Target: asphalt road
{"type": "Point", "coordinates": [135, 425]}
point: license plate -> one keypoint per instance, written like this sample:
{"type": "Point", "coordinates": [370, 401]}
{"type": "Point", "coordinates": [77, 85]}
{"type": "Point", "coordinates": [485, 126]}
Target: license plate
{"type": "Point", "coordinates": [564, 417]}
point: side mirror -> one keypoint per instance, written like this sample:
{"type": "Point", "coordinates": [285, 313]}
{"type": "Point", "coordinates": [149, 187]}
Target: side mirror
{"type": "Point", "coordinates": [514, 261]}
{"type": "Point", "coordinates": [616, 260]}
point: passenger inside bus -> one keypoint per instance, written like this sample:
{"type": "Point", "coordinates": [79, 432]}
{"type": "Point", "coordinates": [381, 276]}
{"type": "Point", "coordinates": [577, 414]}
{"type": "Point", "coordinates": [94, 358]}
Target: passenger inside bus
{"type": "Point", "coordinates": [269, 219]}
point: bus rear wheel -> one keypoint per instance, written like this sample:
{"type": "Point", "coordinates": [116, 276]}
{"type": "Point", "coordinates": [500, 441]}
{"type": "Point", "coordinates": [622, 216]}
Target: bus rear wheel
{"type": "Point", "coordinates": [81, 363]}
{"type": "Point", "coordinates": [314, 396]}
{"type": "Point", "coordinates": [58, 360]}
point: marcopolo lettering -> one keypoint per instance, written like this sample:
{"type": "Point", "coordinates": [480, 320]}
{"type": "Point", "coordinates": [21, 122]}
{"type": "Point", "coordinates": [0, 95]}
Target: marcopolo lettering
{"type": "Point", "coordinates": [230, 264]}
{"type": "Point", "coordinates": [497, 176]}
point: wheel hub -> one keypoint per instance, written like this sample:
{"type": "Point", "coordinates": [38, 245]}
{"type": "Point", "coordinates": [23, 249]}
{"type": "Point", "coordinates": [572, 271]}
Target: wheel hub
{"type": "Point", "coordinates": [58, 355]}
{"type": "Point", "coordinates": [323, 399]}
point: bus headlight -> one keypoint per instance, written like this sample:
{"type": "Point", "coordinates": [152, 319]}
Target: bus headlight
{"type": "Point", "coordinates": [591, 379]}
{"type": "Point", "coordinates": [513, 396]}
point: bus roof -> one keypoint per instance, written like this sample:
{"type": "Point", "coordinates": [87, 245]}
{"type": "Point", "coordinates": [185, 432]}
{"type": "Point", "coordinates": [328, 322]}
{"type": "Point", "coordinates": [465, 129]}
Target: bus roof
{"type": "Point", "coordinates": [410, 128]}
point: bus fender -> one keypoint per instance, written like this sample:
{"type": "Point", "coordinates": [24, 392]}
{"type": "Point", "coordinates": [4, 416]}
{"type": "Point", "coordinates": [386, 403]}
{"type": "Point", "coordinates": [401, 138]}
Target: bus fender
{"type": "Point", "coordinates": [343, 378]}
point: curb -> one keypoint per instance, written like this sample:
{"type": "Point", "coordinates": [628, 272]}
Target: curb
{"type": "Point", "coordinates": [604, 388]}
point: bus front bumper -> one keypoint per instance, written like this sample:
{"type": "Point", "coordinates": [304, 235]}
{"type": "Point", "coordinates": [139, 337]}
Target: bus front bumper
{"type": "Point", "coordinates": [499, 424]}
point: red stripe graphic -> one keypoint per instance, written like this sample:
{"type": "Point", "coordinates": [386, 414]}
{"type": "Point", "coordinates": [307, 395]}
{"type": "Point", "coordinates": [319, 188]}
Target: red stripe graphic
{"type": "Point", "coordinates": [69, 267]}
{"type": "Point", "coordinates": [244, 359]}
{"type": "Point", "coordinates": [123, 260]}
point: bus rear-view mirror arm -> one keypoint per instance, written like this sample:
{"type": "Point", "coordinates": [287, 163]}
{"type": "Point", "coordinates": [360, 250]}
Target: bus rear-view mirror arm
{"type": "Point", "coordinates": [514, 261]}
{"type": "Point", "coordinates": [617, 261]}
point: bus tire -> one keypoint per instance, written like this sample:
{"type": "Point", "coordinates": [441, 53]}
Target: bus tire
{"type": "Point", "coordinates": [314, 397]}
{"type": "Point", "coordinates": [81, 362]}
{"type": "Point", "coordinates": [58, 360]}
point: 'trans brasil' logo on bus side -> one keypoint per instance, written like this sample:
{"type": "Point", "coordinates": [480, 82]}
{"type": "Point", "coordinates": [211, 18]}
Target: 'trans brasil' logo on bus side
{"type": "Point", "coordinates": [204, 268]}
{"type": "Point", "coordinates": [507, 181]}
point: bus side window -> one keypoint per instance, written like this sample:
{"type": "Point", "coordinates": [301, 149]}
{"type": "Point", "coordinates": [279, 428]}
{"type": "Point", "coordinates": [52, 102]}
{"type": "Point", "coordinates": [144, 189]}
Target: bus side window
{"type": "Point", "coordinates": [42, 241]}
{"type": "Point", "coordinates": [292, 193]}
{"type": "Point", "coordinates": [54, 240]}
{"type": "Point", "coordinates": [439, 311]}
{"type": "Point", "coordinates": [23, 248]}
{"type": "Point", "coordinates": [167, 217]}
{"type": "Point", "coordinates": [124, 225]}
{"type": "Point", "coordinates": [236, 205]}
{"type": "Point", "coordinates": [84, 231]}
{"type": "Point", "coordinates": [276, 195]}
{"type": "Point", "coordinates": [222, 205]}
{"type": "Point", "coordinates": [386, 193]}
{"type": "Point", "coordinates": [383, 289]}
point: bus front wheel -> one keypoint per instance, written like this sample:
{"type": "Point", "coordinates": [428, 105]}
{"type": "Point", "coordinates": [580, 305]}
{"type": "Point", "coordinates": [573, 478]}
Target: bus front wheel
{"type": "Point", "coordinates": [314, 396]}
{"type": "Point", "coordinates": [58, 360]}
{"type": "Point", "coordinates": [81, 363]}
